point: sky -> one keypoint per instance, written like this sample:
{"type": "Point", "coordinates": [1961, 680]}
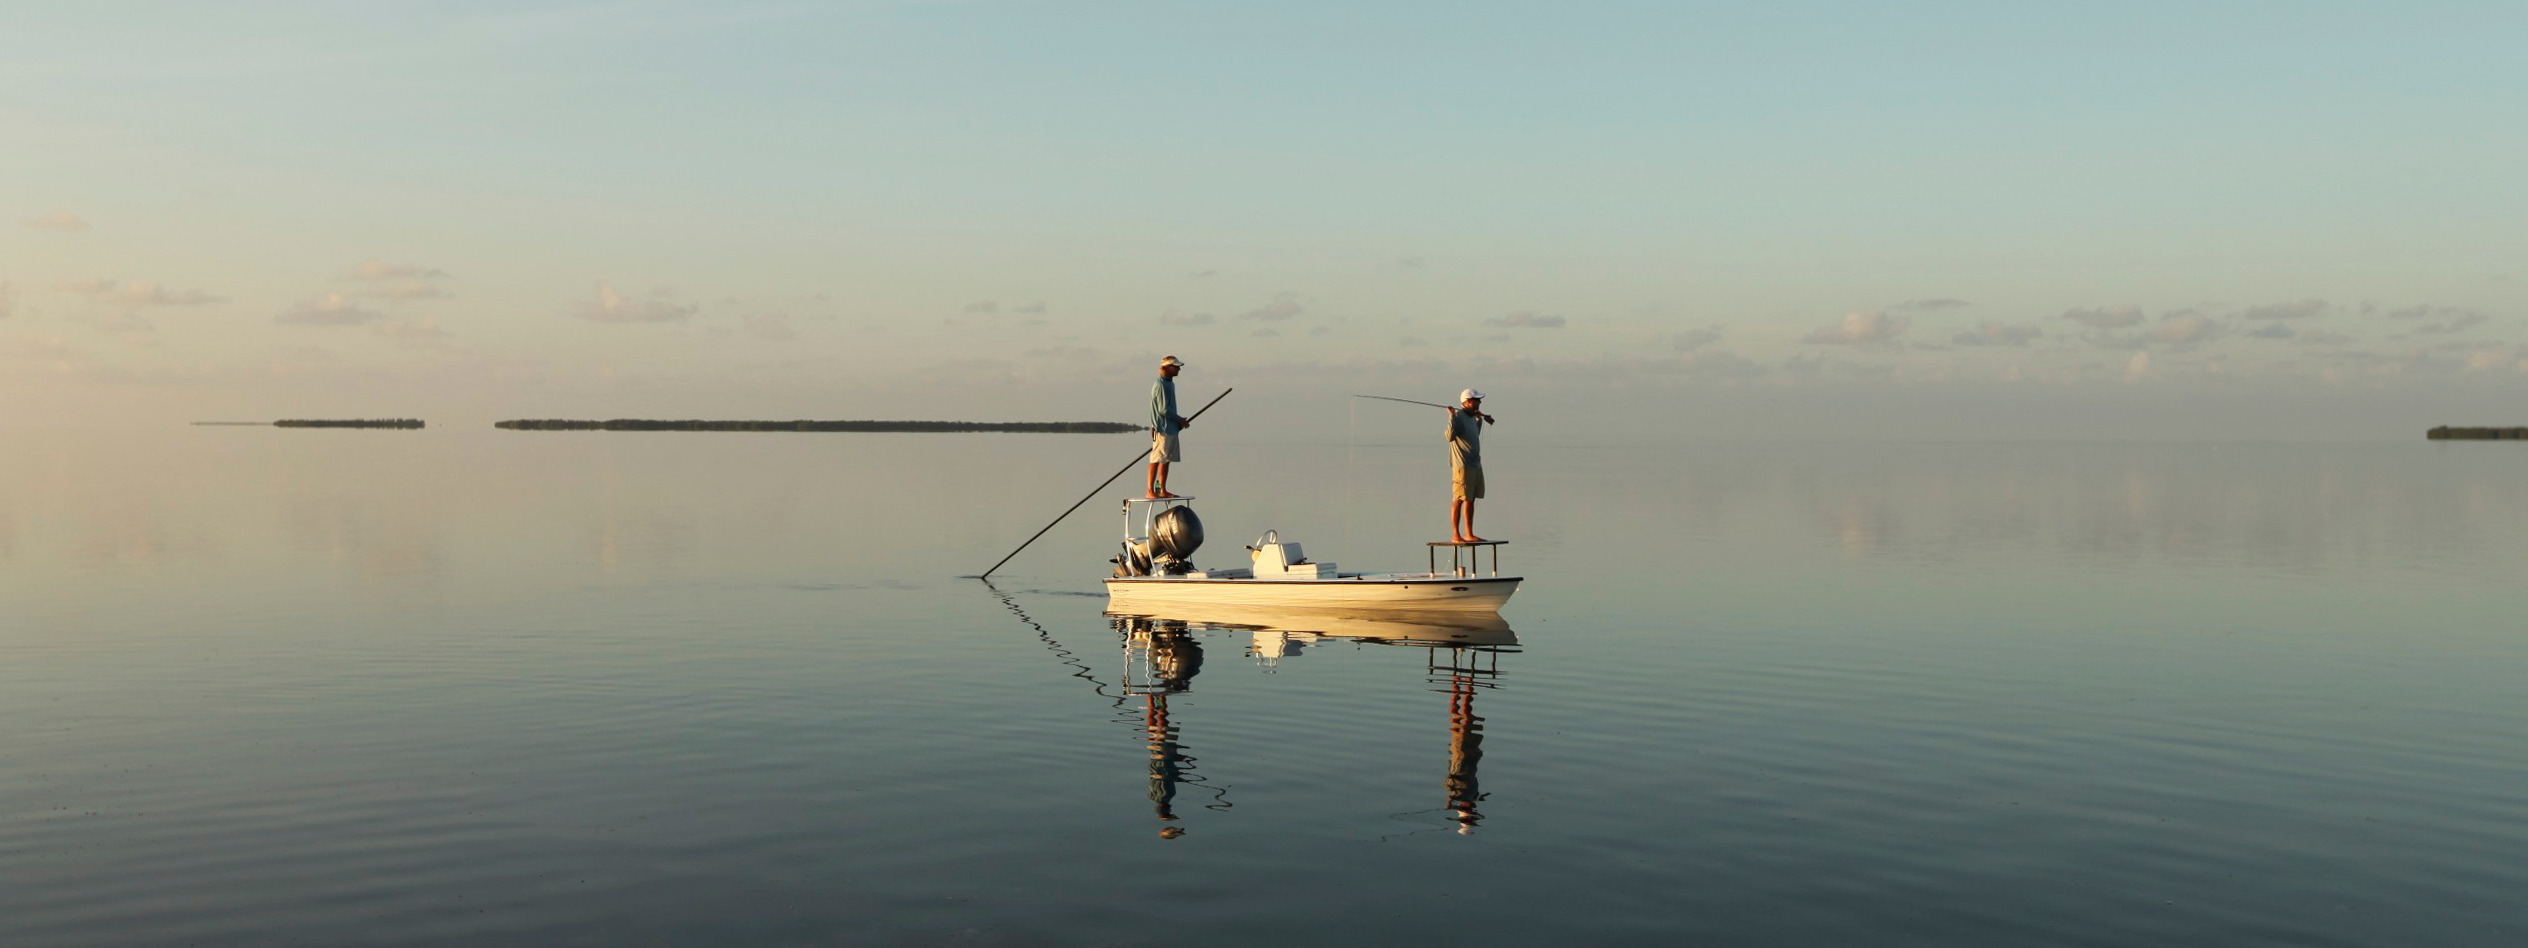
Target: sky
{"type": "Point", "coordinates": [1623, 220]}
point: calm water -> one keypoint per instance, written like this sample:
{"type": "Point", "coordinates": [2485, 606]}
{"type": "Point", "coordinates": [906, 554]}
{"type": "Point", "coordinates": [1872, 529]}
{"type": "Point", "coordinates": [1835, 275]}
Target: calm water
{"type": "Point", "coordinates": [495, 688]}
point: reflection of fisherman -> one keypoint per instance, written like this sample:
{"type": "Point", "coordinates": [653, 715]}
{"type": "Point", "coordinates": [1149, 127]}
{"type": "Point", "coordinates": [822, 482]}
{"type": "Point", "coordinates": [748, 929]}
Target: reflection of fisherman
{"type": "Point", "coordinates": [1167, 763]}
{"type": "Point", "coordinates": [1465, 753]}
{"type": "Point", "coordinates": [1175, 658]}
{"type": "Point", "coordinates": [1465, 463]}
{"type": "Point", "coordinates": [1165, 424]}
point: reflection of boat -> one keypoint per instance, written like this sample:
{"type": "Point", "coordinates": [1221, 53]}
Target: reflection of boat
{"type": "Point", "coordinates": [1384, 627]}
{"type": "Point", "coordinates": [1163, 655]}
{"type": "Point", "coordinates": [1465, 658]}
{"type": "Point", "coordinates": [1155, 574]}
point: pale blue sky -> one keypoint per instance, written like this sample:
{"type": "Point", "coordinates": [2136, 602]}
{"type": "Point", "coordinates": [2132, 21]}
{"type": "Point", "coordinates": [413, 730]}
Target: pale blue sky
{"type": "Point", "coordinates": [854, 209]}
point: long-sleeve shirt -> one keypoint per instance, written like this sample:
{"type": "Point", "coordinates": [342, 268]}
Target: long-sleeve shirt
{"type": "Point", "coordinates": [1465, 438]}
{"type": "Point", "coordinates": [1163, 419]}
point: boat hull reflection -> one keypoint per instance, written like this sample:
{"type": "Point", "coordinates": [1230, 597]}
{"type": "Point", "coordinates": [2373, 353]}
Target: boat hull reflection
{"type": "Point", "coordinates": [1395, 628]}
{"type": "Point", "coordinates": [1162, 655]}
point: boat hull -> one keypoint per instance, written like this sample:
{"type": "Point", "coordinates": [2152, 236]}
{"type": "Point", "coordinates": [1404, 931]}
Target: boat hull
{"type": "Point", "coordinates": [1153, 595]}
{"type": "Point", "coordinates": [1390, 627]}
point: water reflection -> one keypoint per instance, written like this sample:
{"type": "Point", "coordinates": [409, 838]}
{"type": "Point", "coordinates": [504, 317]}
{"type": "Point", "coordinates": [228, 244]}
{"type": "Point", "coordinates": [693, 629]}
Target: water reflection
{"type": "Point", "coordinates": [1161, 659]}
{"type": "Point", "coordinates": [1162, 655]}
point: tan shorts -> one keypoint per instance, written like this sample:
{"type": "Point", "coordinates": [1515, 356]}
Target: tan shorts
{"type": "Point", "coordinates": [1465, 483]}
{"type": "Point", "coordinates": [1164, 449]}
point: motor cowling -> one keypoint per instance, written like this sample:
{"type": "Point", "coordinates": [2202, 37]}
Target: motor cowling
{"type": "Point", "coordinates": [1176, 533]}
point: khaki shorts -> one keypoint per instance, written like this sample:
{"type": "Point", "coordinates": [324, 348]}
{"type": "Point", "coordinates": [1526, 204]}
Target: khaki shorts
{"type": "Point", "coordinates": [1164, 449]}
{"type": "Point", "coordinates": [1465, 483]}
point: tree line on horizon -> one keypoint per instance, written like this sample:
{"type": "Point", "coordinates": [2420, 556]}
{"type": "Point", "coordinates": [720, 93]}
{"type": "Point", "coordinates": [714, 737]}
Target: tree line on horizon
{"type": "Point", "coordinates": [2446, 433]}
{"type": "Point", "coordinates": [645, 424]}
{"type": "Point", "coordinates": [348, 423]}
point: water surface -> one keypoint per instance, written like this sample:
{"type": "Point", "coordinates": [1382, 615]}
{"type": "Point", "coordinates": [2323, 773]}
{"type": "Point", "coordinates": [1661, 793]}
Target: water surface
{"type": "Point", "coordinates": [509, 688]}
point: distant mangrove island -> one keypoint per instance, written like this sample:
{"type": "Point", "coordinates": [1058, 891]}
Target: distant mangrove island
{"type": "Point", "coordinates": [2446, 433]}
{"type": "Point", "coordinates": [645, 424]}
{"type": "Point", "coordinates": [318, 423]}
{"type": "Point", "coordinates": [348, 423]}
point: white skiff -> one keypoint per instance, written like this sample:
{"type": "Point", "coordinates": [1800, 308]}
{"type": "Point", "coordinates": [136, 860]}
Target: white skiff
{"type": "Point", "coordinates": [1279, 575]}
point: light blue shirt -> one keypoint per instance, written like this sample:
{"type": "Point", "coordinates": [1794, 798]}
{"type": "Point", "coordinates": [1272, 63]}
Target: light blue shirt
{"type": "Point", "coordinates": [1163, 418]}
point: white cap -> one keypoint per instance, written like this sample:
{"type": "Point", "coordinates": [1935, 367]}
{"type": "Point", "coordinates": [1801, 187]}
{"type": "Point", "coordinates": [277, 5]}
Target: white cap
{"type": "Point", "coordinates": [1467, 394]}
{"type": "Point", "coordinates": [1171, 360]}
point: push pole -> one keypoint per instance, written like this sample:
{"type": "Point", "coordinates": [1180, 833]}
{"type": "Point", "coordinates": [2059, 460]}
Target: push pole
{"type": "Point", "coordinates": [1013, 554]}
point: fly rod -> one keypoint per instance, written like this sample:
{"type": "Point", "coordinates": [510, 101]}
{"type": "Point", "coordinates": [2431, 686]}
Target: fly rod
{"type": "Point", "coordinates": [1141, 458]}
{"type": "Point", "coordinates": [1486, 418]}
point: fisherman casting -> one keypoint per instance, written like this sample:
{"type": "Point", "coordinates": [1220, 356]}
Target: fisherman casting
{"type": "Point", "coordinates": [1465, 464]}
{"type": "Point", "coordinates": [1165, 425]}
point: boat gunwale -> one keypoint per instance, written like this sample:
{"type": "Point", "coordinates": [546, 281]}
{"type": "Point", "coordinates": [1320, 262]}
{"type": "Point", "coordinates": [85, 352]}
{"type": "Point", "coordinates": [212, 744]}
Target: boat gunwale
{"type": "Point", "coordinates": [1382, 579]}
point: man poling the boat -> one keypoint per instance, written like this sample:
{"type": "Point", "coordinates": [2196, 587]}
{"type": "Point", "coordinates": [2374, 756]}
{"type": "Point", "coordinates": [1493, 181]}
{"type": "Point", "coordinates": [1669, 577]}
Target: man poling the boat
{"type": "Point", "coordinates": [1465, 464]}
{"type": "Point", "coordinates": [1165, 425]}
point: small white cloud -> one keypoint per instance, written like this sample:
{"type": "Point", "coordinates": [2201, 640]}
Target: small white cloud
{"type": "Point", "coordinates": [2106, 318]}
{"type": "Point", "coordinates": [375, 271]}
{"type": "Point", "coordinates": [331, 309]}
{"type": "Point", "coordinates": [1526, 320]}
{"type": "Point", "coordinates": [59, 222]}
{"type": "Point", "coordinates": [2497, 360]}
{"type": "Point", "coordinates": [2138, 367]}
{"type": "Point", "coordinates": [661, 306]}
{"type": "Point", "coordinates": [2182, 328]}
{"type": "Point", "coordinates": [770, 327]}
{"type": "Point", "coordinates": [116, 292]}
{"type": "Point", "coordinates": [2425, 312]}
{"type": "Point", "coordinates": [408, 292]}
{"type": "Point", "coordinates": [1283, 306]}
{"type": "Point", "coordinates": [2299, 310]}
{"type": "Point", "coordinates": [1998, 334]}
{"type": "Point", "coordinates": [1861, 328]}
{"type": "Point", "coordinates": [2455, 321]}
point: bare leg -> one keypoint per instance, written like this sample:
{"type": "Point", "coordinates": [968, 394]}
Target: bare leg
{"type": "Point", "coordinates": [1161, 489]}
{"type": "Point", "coordinates": [1456, 516]}
{"type": "Point", "coordinates": [1153, 492]}
{"type": "Point", "coordinates": [1470, 524]}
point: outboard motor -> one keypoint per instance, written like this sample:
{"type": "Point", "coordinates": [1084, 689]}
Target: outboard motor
{"type": "Point", "coordinates": [1174, 535]}
{"type": "Point", "coordinates": [1135, 560]}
